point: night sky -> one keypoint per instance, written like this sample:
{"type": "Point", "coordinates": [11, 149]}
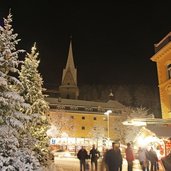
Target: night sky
{"type": "Point", "coordinates": [112, 42]}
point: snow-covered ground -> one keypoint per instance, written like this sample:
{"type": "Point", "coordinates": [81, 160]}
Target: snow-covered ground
{"type": "Point", "coordinates": [72, 164]}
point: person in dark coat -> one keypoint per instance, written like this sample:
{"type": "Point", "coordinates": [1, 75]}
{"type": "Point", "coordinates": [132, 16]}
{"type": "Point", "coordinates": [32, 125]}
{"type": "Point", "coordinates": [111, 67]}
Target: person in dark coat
{"type": "Point", "coordinates": [111, 159]}
{"type": "Point", "coordinates": [166, 161]}
{"type": "Point", "coordinates": [82, 156]}
{"type": "Point", "coordinates": [152, 156]}
{"type": "Point", "coordinates": [119, 158]}
{"type": "Point", "coordinates": [94, 155]}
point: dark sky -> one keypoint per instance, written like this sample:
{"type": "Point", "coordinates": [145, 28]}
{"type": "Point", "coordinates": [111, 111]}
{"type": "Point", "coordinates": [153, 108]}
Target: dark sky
{"type": "Point", "coordinates": [112, 42]}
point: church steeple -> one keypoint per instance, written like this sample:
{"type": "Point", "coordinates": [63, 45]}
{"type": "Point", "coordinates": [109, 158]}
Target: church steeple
{"type": "Point", "coordinates": [70, 66]}
{"type": "Point", "coordinates": [68, 88]}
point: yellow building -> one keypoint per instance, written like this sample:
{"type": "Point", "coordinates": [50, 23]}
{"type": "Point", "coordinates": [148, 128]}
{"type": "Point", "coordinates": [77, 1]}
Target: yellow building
{"type": "Point", "coordinates": [82, 119]}
{"type": "Point", "coordinates": [162, 57]}
{"type": "Point", "coordinates": [85, 119]}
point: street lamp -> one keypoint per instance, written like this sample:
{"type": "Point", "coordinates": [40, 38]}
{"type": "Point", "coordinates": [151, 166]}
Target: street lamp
{"type": "Point", "coordinates": [107, 113]}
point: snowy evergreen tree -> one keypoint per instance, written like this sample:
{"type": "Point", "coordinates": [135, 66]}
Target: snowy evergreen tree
{"type": "Point", "coordinates": [33, 94]}
{"type": "Point", "coordinates": [135, 113]}
{"type": "Point", "coordinates": [14, 155]}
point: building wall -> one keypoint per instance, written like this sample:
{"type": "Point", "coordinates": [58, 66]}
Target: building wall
{"type": "Point", "coordinates": [69, 92]}
{"type": "Point", "coordinates": [163, 60]}
{"type": "Point", "coordinates": [85, 125]}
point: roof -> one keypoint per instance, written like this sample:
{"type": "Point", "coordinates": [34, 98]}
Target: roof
{"type": "Point", "coordinates": [160, 127]}
{"type": "Point", "coordinates": [161, 131]}
{"type": "Point", "coordinates": [109, 104]}
{"type": "Point", "coordinates": [147, 121]}
{"type": "Point", "coordinates": [163, 42]}
{"type": "Point", "coordinates": [85, 106]}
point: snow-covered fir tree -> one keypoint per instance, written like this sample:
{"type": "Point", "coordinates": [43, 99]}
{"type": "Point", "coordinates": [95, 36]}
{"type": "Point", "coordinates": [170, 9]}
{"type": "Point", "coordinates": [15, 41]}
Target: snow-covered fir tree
{"type": "Point", "coordinates": [14, 153]}
{"type": "Point", "coordinates": [33, 94]}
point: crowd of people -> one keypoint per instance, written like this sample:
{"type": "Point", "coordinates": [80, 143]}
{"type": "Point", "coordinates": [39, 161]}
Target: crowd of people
{"type": "Point", "coordinates": [93, 155]}
{"type": "Point", "coordinates": [148, 159]}
{"type": "Point", "coordinates": [151, 159]}
{"type": "Point", "coordinates": [112, 159]}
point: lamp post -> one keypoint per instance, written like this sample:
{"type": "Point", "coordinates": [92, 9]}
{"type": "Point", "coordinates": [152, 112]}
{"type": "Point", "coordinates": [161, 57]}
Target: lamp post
{"type": "Point", "coordinates": [107, 113]}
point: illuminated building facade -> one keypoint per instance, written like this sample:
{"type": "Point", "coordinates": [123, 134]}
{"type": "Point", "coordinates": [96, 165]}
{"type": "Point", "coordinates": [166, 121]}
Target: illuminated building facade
{"type": "Point", "coordinates": [80, 118]}
{"type": "Point", "coordinates": [86, 119]}
{"type": "Point", "coordinates": [162, 57]}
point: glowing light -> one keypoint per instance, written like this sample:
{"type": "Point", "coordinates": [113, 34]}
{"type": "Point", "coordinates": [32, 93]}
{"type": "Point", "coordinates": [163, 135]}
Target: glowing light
{"type": "Point", "coordinates": [108, 112]}
{"type": "Point", "coordinates": [52, 131]}
{"type": "Point", "coordinates": [145, 141]}
{"type": "Point", "coordinates": [135, 123]}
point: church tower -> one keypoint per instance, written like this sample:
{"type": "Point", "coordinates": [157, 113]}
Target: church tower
{"type": "Point", "coordinates": [68, 88]}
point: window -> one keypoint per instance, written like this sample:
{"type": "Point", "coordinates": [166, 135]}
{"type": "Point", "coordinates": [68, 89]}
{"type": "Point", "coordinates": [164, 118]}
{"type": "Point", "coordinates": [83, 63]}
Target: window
{"type": "Point", "coordinates": [169, 71]}
{"type": "Point", "coordinates": [83, 117]}
{"type": "Point", "coordinates": [95, 118]}
{"type": "Point", "coordinates": [94, 128]}
{"type": "Point", "coordinates": [72, 117]}
{"type": "Point", "coordinates": [83, 127]}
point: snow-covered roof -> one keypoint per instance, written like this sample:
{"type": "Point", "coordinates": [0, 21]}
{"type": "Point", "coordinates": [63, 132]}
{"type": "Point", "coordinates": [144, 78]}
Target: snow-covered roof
{"type": "Point", "coordinates": [110, 103]}
{"type": "Point", "coordinates": [85, 105]}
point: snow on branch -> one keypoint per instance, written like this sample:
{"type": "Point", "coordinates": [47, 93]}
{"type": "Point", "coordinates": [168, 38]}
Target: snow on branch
{"type": "Point", "coordinates": [16, 123]}
{"type": "Point", "coordinates": [20, 115]}
{"type": "Point", "coordinates": [14, 96]}
{"type": "Point", "coordinates": [3, 81]}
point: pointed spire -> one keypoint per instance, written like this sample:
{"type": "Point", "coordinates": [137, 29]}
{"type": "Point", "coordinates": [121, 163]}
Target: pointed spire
{"type": "Point", "coordinates": [70, 67]}
{"type": "Point", "coordinates": [69, 88]}
{"type": "Point", "coordinates": [70, 60]}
